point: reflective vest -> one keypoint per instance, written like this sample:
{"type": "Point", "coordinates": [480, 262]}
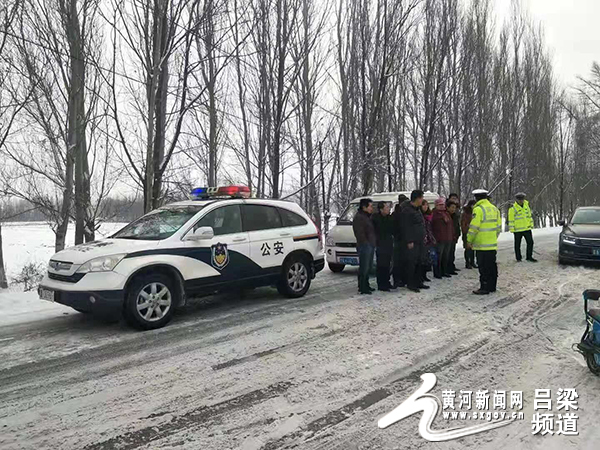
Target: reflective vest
{"type": "Point", "coordinates": [485, 226]}
{"type": "Point", "coordinates": [519, 218]}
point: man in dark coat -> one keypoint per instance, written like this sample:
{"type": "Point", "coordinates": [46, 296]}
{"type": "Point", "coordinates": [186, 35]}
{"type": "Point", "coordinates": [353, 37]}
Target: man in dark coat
{"type": "Point", "coordinates": [457, 231]}
{"type": "Point", "coordinates": [398, 273]}
{"type": "Point", "coordinates": [364, 231]}
{"type": "Point", "coordinates": [412, 241]}
{"type": "Point", "coordinates": [384, 230]}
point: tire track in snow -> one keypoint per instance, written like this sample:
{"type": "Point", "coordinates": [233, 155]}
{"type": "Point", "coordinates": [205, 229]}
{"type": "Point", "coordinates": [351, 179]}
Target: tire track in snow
{"type": "Point", "coordinates": [339, 415]}
{"type": "Point", "coordinates": [202, 415]}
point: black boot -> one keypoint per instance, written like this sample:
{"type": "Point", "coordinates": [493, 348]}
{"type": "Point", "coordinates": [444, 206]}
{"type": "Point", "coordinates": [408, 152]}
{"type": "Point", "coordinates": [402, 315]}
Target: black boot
{"type": "Point", "coordinates": [481, 292]}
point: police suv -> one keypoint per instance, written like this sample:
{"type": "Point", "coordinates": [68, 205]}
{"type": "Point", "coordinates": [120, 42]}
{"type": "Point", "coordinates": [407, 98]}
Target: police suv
{"type": "Point", "coordinates": [221, 239]}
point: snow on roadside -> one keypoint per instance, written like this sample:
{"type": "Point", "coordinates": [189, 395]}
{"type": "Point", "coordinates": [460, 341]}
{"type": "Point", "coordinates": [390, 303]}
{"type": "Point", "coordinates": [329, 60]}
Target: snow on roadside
{"type": "Point", "coordinates": [25, 243]}
{"type": "Point", "coordinates": [33, 242]}
{"type": "Point", "coordinates": [19, 307]}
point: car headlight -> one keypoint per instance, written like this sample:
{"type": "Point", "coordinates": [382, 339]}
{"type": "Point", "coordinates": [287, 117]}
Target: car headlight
{"type": "Point", "coordinates": [569, 239]}
{"type": "Point", "coordinates": [329, 241]}
{"type": "Point", "coordinates": [102, 264]}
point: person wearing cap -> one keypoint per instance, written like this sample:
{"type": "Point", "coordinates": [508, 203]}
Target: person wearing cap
{"type": "Point", "coordinates": [484, 229]}
{"type": "Point", "coordinates": [520, 223]}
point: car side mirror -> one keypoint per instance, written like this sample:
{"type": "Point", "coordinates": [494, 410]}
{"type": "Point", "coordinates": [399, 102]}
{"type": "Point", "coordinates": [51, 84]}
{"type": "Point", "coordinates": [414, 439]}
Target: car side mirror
{"type": "Point", "coordinates": [562, 223]}
{"type": "Point", "coordinates": [201, 234]}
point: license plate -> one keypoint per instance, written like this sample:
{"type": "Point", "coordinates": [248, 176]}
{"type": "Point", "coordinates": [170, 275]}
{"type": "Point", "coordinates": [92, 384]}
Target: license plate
{"type": "Point", "coordinates": [596, 252]}
{"type": "Point", "coordinates": [46, 294]}
{"type": "Point", "coordinates": [350, 261]}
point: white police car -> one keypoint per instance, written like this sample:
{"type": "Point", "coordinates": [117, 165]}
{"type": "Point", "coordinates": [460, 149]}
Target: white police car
{"type": "Point", "coordinates": [222, 239]}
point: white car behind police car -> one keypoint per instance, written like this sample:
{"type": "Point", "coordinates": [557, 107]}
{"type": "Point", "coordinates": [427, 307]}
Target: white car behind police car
{"type": "Point", "coordinates": [220, 240]}
{"type": "Point", "coordinates": [340, 242]}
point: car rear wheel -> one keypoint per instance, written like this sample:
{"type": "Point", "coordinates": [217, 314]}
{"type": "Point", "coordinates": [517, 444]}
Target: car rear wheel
{"type": "Point", "coordinates": [336, 268]}
{"type": "Point", "coordinates": [295, 277]}
{"type": "Point", "coordinates": [150, 302]}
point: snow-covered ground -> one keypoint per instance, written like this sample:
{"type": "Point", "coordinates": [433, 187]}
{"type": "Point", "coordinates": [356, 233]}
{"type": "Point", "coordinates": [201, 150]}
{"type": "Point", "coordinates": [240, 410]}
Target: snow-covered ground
{"type": "Point", "coordinates": [27, 243]}
{"type": "Point", "coordinates": [33, 242]}
{"type": "Point", "coordinates": [260, 372]}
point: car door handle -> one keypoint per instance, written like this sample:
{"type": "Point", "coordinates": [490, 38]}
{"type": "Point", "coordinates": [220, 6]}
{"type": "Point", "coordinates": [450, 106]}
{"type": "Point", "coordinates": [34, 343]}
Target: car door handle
{"type": "Point", "coordinates": [242, 239]}
{"type": "Point", "coordinates": [285, 234]}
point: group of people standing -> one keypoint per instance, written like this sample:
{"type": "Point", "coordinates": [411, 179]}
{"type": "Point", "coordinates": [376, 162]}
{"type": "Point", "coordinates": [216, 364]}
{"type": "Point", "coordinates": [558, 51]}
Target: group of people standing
{"type": "Point", "coordinates": [415, 239]}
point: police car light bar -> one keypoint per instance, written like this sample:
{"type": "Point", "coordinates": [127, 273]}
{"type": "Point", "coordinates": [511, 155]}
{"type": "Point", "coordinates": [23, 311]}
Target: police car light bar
{"type": "Point", "coordinates": [223, 191]}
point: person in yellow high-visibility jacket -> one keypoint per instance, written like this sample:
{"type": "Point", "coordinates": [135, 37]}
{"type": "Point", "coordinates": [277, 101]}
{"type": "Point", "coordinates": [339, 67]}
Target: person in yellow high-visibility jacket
{"type": "Point", "coordinates": [520, 223]}
{"type": "Point", "coordinates": [482, 237]}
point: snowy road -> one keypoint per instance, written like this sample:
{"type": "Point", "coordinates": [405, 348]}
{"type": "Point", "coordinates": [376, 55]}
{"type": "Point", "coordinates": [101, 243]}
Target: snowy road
{"type": "Point", "coordinates": [262, 372]}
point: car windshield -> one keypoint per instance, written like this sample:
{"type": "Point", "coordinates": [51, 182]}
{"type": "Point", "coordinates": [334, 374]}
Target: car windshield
{"type": "Point", "coordinates": [348, 215]}
{"type": "Point", "coordinates": [586, 216]}
{"type": "Point", "coordinates": [158, 224]}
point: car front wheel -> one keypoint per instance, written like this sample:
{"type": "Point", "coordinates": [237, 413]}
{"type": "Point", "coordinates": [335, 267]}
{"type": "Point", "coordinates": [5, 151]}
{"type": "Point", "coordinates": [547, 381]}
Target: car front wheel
{"type": "Point", "coordinates": [295, 277]}
{"type": "Point", "coordinates": [150, 302]}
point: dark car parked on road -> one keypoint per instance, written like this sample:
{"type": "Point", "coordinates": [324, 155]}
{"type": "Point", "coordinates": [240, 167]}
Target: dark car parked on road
{"type": "Point", "coordinates": [579, 240]}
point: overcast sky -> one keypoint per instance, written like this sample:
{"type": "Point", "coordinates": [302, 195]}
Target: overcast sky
{"type": "Point", "coordinates": [571, 30]}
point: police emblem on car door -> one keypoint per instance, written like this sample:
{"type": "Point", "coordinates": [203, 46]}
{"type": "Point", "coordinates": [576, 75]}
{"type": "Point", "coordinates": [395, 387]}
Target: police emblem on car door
{"type": "Point", "coordinates": [220, 256]}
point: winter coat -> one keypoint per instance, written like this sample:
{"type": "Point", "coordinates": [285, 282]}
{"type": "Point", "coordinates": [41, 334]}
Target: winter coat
{"type": "Point", "coordinates": [465, 221]}
{"type": "Point", "coordinates": [443, 226]}
{"type": "Point", "coordinates": [384, 230]}
{"type": "Point", "coordinates": [520, 218]}
{"type": "Point", "coordinates": [397, 218]}
{"type": "Point", "coordinates": [456, 223]}
{"type": "Point", "coordinates": [363, 228]}
{"type": "Point", "coordinates": [429, 237]}
{"type": "Point", "coordinates": [412, 225]}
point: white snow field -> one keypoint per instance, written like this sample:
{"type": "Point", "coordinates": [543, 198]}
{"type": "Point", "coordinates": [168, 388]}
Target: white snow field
{"type": "Point", "coordinates": [32, 243]}
{"type": "Point", "coordinates": [258, 371]}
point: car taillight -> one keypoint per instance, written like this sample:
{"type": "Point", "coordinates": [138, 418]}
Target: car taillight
{"type": "Point", "coordinates": [318, 233]}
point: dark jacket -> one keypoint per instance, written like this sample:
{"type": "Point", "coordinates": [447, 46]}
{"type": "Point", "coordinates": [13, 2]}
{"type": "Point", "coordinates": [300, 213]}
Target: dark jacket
{"type": "Point", "coordinates": [443, 226]}
{"type": "Point", "coordinates": [465, 220]}
{"type": "Point", "coordinates": [412, 225]}
{"type": "Point", "coordinates": [456, 222]}
{"type": "Point", "coordinates": [397, 218]}
{"type": "Point", "coordinates": [363, 228]}
{"type": "Point", "coordinates": [384, 230]}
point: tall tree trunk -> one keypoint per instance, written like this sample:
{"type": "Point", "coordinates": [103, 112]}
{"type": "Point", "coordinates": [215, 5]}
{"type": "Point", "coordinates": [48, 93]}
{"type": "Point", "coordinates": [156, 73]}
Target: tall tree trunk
{"type": "Point", "coordinates": [3, 281]}
{"type": "Point", "coordinates": [77, 122]}
{"type": "Point", "coordinates": [162, 68]}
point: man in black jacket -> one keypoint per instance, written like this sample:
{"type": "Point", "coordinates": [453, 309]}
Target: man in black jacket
{"type": "Point", "coordinates": [412, 241]}
{"type": "Point", "coordinates": [384, 230]}
{"type": "Point", "coordinates": [398, 273]}
{"type": "Point", "coordinates": [364, 231]}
